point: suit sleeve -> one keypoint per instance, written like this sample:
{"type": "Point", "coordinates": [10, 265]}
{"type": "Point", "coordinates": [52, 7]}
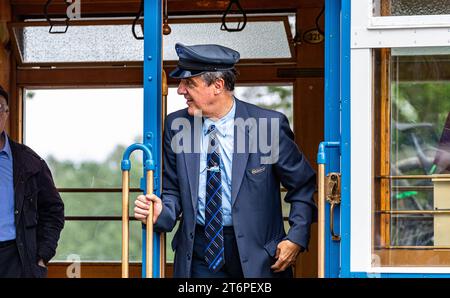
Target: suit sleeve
{"type": "Point", "coordinates": [170, 195]}
{"type": "Point", "coordinates": [51, 215]}
{"type": "Point", "coordinates": [299, 178]}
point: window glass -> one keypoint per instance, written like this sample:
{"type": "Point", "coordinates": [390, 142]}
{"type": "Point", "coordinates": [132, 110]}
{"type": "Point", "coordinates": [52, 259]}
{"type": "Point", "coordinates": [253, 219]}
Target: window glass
{"type": "Point", "coordinates": [100, 43]}
{"type": "Point", "coordinates": [82, 133]}
{"type": "Point", "coordinates": [411, 7]}
{"type": "Point", "coordinates": [261, 39]}
{"type": "Point", "coordinates": [100, 241]}
{"type": "Point", "coordinates": [412, 102]}
{"type": "Point", "coordinates": [95, 203]}
{"type": "Point", "coordinates": [274, 97]}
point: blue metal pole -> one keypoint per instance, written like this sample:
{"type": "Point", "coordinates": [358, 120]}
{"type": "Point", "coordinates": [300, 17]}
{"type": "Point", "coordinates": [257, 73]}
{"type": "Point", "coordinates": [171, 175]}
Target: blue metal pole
{"type": "Point", "coordinates": [332, 123]}
{"type": "Point", "coordinates": [153, 105]}
{"type": "Point", "coordinates": [345, 138]}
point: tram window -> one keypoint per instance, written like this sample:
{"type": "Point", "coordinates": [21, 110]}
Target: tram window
{"type": "Point", "coordinates": [82, 134]}
{"type": "Point", "coordinates": [97, 241]}
{"type": "Point", "coordinates": [412, 157]}
{"type": "Point", "coordinates": [263, 38]}
{"type": "Point", "coordinates": [86, 43]}
{"type": "Point", "coordinates": [275, 97]}
{"type": "Point", "coordinates": [410, 7]}
{"type": "Point", "coordinates": [93, 41]}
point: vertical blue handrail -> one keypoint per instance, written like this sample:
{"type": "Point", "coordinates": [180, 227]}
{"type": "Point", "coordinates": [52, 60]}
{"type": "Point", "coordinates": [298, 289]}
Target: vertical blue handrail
{"type": "Point", "coordinates": [345, 137]}
{"type": "Point", "coordinates": [153, 106]}
{"type": "Point", "coordinates": [332, 116]}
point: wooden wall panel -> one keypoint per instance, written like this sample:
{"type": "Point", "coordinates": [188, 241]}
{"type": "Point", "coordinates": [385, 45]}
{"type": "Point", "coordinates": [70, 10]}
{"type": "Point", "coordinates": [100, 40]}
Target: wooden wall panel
{"type": "Point", "coordinates": [34, 8]}
{"type": "Point", "coordinates": [100, 270]}
{"type": "Point", "coordinates": [308, 118]}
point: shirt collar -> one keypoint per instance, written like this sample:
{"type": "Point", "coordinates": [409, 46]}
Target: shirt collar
{"type": "Point", "coordinates": [222, 125]}
{"type": "Point", "coordinates": [6, 148]}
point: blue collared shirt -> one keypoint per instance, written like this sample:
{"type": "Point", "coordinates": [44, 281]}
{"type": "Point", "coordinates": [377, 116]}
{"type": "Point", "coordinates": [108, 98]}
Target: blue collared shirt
{"type": "Point", "coordinates": [7, 226]}
{"type": "Point", "coordinates": [225, 137]}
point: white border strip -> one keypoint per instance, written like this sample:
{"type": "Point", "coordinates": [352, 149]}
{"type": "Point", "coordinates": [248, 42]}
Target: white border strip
{"type": "Point", "coordinates": [421, 270]}
{"type": "Point", "coordinates": [361, 160]}
{"type": "Point", "coordinates": [435, 21]}
{"type": "Point", "coordinates": [370, 31]}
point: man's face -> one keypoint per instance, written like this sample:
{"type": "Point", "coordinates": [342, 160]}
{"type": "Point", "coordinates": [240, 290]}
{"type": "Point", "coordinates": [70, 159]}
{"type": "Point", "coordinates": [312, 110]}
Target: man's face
{"type": "Point", "coordinates": [199, 96]}
{"type": "Point", "coordinates": [4, 112]}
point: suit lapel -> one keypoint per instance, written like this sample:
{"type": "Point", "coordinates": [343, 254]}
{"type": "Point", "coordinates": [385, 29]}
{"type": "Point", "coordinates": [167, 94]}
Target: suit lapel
{"type": "Point", "coordinates": [239, 158]}
{"type": "Point", "coordinates": [192, 159]}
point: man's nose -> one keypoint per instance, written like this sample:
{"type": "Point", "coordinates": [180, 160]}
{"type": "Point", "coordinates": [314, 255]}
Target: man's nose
{"type": "Point", "coordinates": [181, 89]}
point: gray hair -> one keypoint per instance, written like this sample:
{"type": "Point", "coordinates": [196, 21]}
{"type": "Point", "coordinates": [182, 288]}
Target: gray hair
{"type": "Point", "coordinates": [229, 77]}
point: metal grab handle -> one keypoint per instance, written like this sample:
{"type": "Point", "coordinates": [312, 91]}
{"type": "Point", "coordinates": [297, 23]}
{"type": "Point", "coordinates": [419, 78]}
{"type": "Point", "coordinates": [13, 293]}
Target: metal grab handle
{"type": "Point", "coordinates": [334, 236]}
{"type": "Point", "coordinates": [321, 160]}
{"type": "Point", "coordinates": [224, 26]}
{"type": "Point", "coordinates": [53, 23]}
{"type": "Point", "coordinates": [136, 20]}
{"type": "Point", "coordinates": [149, 171]}
{"type": "Point", "coordinates": [334, 198]}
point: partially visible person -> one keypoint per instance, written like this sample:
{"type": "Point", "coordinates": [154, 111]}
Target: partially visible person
{"type": "Point", "coordinates": [31, 210]}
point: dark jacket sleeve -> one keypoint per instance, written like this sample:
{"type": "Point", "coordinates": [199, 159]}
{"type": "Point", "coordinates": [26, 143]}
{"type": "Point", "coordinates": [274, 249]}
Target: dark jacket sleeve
{"type": "Point", "coordinates": [298, 177]}
{"type": "Point", "coordinates": [170, 195]}
{"type": "Point", "coordinates": [51, 214]}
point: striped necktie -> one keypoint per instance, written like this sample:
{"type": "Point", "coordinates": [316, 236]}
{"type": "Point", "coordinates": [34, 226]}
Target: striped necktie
{"type": "Point", "coordinates": [214, 251]}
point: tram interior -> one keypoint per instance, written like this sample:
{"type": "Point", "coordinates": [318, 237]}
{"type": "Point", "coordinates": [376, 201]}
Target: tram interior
{"type": "Point", "coordinates": [76, 98]}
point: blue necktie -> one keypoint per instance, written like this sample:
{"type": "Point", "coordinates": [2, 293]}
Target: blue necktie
{"type": "Point", "coordinates": [214, 251]}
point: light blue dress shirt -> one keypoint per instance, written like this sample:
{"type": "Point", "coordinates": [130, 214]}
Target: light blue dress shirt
{"type": "Point", "coordinates": [225, 137]}
{"type": "Point", "coordinates": [7, 226]}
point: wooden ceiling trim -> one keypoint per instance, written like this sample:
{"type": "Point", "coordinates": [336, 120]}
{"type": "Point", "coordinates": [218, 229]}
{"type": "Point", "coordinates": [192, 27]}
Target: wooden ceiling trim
{"type": "Point", "coordinates": [34, 8]}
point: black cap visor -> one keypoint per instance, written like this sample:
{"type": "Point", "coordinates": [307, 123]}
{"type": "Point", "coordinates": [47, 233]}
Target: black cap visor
{"type": "Point", "coordinates": [180, 73]}
{"type": "Point", "coordinates": [187, 69]}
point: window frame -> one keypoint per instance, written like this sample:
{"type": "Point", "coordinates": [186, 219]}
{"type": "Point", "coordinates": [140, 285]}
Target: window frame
{"type": "Point", "coordinates": [184, 20]}
{"type": "Point", "coordinates": [364, 39]}
{"type": "Point", "coordinates": [385, 21]}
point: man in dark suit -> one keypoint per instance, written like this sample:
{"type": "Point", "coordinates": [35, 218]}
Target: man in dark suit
{"type": "Point", "coordinates": [31, 210]}
{"type": "Point", "coordinates": [224, 160]}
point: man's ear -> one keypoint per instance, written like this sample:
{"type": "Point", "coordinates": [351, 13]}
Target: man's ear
{"type": "Point", "coordinates": [219, 85]}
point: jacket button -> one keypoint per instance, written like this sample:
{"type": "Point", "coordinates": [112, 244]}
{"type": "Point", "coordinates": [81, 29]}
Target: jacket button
{"type": "Point", "coordinates": [188, 256]}
{"type": "Point", "coordinates": [240, 235]}
{"type": "Point", "coordinates": [16, 212]}
{"type": "Point", "coordinates": [191, 235]}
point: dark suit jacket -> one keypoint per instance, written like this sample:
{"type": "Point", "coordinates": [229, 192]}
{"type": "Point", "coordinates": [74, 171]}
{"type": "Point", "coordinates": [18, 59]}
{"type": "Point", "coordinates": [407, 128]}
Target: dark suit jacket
{"type": "Point", "coordinates": [39, 210]}
{"type": "Point", "coordinates": [256, 203]}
